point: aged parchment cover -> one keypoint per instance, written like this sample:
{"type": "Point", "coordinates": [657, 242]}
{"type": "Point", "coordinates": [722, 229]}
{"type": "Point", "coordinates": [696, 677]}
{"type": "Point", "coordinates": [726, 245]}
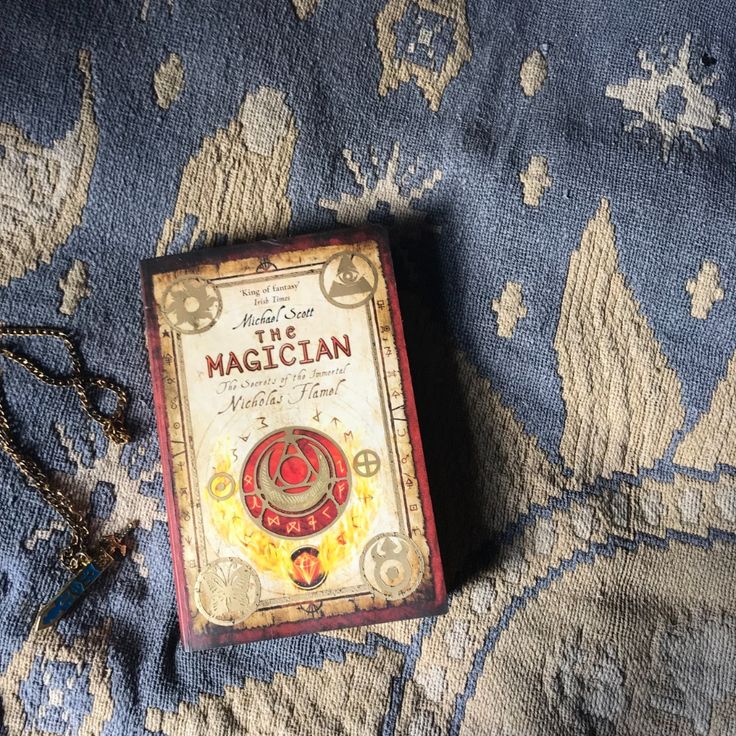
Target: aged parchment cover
{"type": "Point", "coordinates": [295, 483]}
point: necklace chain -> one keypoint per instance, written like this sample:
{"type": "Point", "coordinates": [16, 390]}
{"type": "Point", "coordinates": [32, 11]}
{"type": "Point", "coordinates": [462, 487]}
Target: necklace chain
{"type": "Point", "coordinates": [75, 554]}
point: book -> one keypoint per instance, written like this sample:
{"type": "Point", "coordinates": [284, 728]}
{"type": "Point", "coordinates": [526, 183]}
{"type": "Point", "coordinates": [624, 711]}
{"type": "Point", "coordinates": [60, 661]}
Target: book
{"type": "Point", "coordinates": [295, 483]}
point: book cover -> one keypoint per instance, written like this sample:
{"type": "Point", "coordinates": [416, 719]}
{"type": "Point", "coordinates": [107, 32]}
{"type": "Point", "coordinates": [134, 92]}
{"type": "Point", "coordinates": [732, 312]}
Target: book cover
{"type": "Point", "coordinates": [295, 483]}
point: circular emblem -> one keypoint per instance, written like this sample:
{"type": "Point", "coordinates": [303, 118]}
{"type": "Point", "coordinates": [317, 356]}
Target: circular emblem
{"type": "Point", "coordinates": [221, 486]}
{"type": "Point", "coordinates": [392, 564]}
{"type": "Point", "coordinates": [348, 280]}
{"type": "Point", "coordinates": [306, 568]}
{"type": "Point", "coordinates": [191, 305]}
{"type": "Point", "coordinates": [296, 482]}
{"type": "Point", "coordinates": [227, 591]}
{"type": "Point", "coordinates": [366, 463]}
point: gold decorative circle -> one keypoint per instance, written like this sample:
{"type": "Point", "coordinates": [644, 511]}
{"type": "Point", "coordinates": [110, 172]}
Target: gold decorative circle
{"type": "Point", "coordinates": [221, 486]}
{"type": "Point", "coordinates": [191, 305]}
{"type": "Point", "coordinates": [348, 280]}
{"type": "Point", "coordinates": [392, 565]}
{"type": "Point", "coordinates": [227, 591]}
{"type": "Point", "coordinates": [366, 463]}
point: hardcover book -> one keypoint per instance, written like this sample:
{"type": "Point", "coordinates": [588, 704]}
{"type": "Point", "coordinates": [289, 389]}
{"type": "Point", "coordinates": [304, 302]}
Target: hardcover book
{"type": "Point", "coordinates": [295, 484]}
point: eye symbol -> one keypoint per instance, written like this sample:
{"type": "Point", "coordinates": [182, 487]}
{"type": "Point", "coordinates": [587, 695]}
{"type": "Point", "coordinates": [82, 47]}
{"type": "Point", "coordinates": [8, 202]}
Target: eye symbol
{"type": "Point", "coordinates": [348, 277]}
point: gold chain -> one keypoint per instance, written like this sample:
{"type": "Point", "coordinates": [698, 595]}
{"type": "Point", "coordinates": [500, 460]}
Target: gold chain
{"type": "Point", "coordinates": [74, 555]}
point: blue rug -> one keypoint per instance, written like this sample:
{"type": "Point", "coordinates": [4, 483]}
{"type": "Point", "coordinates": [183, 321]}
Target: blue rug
{"type": "Point", "coordinates": [558, 181]}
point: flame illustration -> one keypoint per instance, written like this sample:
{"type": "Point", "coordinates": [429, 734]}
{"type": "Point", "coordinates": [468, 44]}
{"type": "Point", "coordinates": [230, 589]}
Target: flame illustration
{"type": "Point", "coordinates": [337, 545]}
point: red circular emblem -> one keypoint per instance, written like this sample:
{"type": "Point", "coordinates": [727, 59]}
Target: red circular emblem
{"type": "Point", "coordinates": [296, 482]}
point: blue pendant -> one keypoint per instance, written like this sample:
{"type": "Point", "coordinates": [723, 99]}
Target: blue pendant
{"type": "Point", "coordinates": [110, 549]}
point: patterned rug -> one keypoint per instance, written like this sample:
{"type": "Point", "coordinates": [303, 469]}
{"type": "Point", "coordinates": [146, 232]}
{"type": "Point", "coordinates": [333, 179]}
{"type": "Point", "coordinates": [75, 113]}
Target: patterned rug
{"type": "Point", "coordinates": [558, 179]}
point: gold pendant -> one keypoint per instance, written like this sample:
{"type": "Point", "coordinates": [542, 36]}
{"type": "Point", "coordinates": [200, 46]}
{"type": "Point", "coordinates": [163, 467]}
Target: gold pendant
{"type": "Point", "coordinates": [110, 549]}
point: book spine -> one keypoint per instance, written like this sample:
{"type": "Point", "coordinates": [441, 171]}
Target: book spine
{"type": "Point", "coordinates": [153, 343]}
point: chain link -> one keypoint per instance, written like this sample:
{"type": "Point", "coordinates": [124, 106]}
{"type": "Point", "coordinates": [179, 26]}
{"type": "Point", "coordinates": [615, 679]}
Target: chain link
{"type": "Point", "coordinates": [74, 555]}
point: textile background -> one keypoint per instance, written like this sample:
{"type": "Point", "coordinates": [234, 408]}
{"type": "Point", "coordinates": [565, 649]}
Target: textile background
{"type": "Point", "coordinates": [559, 180]}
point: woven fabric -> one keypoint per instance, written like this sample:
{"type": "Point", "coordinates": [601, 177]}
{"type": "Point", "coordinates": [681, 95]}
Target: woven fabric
{"type": "Point", "coordinates": [558, 182]}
